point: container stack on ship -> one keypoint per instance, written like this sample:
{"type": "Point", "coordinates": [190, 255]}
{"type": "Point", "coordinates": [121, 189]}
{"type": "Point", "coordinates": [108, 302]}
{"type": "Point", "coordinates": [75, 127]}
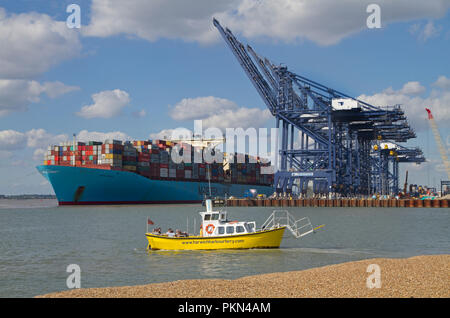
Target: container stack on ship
{"type": "Point", "coordinates": [116, 172]}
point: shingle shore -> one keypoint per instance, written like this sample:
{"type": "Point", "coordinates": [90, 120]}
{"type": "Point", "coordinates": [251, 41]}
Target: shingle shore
{"type": "Point", "coordinates": [419, 276]}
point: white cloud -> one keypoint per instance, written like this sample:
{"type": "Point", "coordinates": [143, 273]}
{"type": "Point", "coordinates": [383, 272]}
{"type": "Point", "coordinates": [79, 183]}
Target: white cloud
{"type": "Point", "coordinates": [219, 112]}
{"type": "Point", "coordinates": [214, 112]}
{"type": "Point", "coordinates": [155, 19]}
{"type": "Point", "coordinates": [325, 22]}
{"type": "Point", "coordinates": [240, 118]}
{"type": "Point", "coordinates": [56, 89]}
{"type": "Point", "coordinates": [172, 134]}
{"type": "Point", "coordinates": [12, 140]}
{"type": "Point", "coordinates": [85, 135]}
{"type": "Point", "coordinates": [163, 134]}
{"type": "Point", "coordinates": [428, 31]}
{"type": "Point", "coordinates": [413, 105]}
{"type": "Point", "coordinates": [33, 138]}
{"type": "Point", "coordinates": [31, 43]}
{"type": "Point", "coordinates": [40, 138]}
{"type": "Point", "coordinates": [412, 88]}
{"type": "Point", "coordinates": [200, 107]}
{"type": "Point", "coordinates": [39, 154]}
{"type": "Point", "coordinates": [17, 94]}
{"type": "Point", "coordinates": [443, 82]}
{"type": "Point", "coordinates": [107, 104]}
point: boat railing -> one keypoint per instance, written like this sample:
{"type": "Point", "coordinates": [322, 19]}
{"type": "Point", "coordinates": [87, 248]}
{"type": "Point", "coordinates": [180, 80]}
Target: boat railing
{"type": "Point", "coordinates": [279, 218]}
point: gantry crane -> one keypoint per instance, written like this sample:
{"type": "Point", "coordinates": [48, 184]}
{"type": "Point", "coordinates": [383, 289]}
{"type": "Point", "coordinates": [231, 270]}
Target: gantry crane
{"type": "Point", "coordinates": [335, 132]}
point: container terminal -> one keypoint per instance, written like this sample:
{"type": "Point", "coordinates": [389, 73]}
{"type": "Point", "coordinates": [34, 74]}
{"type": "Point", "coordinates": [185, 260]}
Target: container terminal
{"type": "Point", "coordinates": [331, 146]}
{"type": "Point", "coordinates": [347, 147]}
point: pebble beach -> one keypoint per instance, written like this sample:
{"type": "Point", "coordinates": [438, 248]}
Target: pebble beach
{"type": "Point", "coordinates": [419, 276]}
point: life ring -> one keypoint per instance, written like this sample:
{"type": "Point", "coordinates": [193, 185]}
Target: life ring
{"type": "Point", "coordinates": [209, 228]}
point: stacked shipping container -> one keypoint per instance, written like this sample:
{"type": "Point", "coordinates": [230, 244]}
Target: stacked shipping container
{"type": "Point", "coordinates": [152, 159]}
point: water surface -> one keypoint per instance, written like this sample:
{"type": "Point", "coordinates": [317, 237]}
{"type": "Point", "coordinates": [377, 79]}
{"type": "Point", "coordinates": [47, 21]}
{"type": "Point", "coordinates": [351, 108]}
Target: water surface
{"type": "Point", "coordinates": [38, 240]}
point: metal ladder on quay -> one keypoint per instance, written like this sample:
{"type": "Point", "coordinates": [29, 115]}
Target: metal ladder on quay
{"type": "Point", "coordinates": [298, 228]}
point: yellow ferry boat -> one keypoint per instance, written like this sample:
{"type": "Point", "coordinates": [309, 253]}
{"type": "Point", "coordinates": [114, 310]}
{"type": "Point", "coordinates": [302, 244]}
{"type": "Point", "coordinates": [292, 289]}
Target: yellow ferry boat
{"type": "Point", "coordinates": [217, 232]}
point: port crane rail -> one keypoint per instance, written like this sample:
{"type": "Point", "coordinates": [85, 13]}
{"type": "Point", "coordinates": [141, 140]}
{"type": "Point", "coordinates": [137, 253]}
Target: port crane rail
{"type": "Point", "coordinates": [337, 149]}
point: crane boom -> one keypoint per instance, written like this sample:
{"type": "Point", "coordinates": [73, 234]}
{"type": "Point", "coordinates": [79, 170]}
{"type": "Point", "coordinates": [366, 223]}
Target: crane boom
{"type": "Point", "coordinates": [241, 54]}
{"type": "Point", "coordinates": [440, 145]}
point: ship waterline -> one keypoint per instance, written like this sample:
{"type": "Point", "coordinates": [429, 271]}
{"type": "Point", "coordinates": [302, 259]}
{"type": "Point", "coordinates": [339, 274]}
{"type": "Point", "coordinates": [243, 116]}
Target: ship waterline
{"type": "Point", "coordinates": [84, 186]}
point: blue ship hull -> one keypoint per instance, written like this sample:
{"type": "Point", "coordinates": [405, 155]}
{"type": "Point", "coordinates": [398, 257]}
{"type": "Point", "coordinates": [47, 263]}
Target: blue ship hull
{"type": "Point", "coordinates": [76, 185]}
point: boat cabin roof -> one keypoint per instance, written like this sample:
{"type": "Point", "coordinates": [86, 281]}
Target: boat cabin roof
{"type": "Point", "coordinates": [214, 216]}
{"type": "Point", "coordinates": [210, 215]}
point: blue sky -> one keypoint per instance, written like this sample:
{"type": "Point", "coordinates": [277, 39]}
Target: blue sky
{"type": "Point", "coordinates": [158, 62]}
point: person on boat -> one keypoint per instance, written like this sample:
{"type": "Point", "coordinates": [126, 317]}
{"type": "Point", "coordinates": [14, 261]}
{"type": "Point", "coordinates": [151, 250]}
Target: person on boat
{"type": "Point", "coordinates": [179, 233]}
{"type": "Point", "coordinates": [157, 231]}
{"type": "Point", "coordinates": [170, 233]}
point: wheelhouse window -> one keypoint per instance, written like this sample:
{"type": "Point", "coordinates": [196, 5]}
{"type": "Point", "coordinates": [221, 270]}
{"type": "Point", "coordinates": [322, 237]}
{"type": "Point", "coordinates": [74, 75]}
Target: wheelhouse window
{"type": "Point", "coordinates": [220, 230]}
{"type": "Point", "coordinates": [230, 229]}
{"type": "Point", "coordinates": [240, 229]}
{"type": "Point", "coordinates": [250, 227]}
{"type": "Point", "coordinates": [215, 216]}
{"type": "Point", "coordinates": [207, 217]}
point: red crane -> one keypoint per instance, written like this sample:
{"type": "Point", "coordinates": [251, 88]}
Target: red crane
{"type": "Point", "coordinates": [439, 143]}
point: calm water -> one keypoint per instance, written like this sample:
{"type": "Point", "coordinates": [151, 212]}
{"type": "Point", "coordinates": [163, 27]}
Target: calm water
{"type": "Point", "coordinates": [38, 240]}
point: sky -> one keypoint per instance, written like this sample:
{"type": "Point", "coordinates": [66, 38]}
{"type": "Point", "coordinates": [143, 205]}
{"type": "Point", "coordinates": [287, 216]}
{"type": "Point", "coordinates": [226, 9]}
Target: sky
{"type": "Point", "coordinates": [136, 69]}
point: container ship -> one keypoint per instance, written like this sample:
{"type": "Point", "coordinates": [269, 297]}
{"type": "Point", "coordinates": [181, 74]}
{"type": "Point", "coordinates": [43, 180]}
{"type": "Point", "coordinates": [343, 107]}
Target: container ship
{"type": "Point", "coordinates": [143, 172]}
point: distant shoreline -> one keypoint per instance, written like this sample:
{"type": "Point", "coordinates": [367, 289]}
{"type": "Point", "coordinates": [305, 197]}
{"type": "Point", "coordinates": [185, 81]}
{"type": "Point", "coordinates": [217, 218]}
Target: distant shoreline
{"type": "Point", "coordinates": [418, 276]}
{"type": "Point", "coordinates": [27, 196]}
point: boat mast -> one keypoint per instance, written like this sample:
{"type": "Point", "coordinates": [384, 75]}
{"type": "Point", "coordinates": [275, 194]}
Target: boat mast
{"type": "Point", "coordinates": [209, 180]}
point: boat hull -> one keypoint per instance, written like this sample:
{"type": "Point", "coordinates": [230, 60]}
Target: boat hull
{"type": "Point", "coordinates": [260, 239]}
{"type": "Point", "coordinates": [86, 186]}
